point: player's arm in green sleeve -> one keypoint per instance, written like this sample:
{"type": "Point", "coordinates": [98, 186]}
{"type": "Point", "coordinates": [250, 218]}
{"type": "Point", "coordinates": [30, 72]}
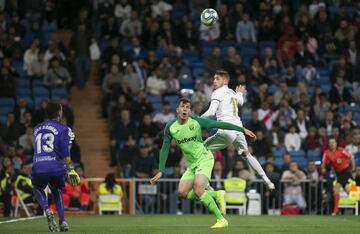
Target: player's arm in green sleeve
{"type": "Point", "coordinates": [164, 151]}
{"type": "Point", "coordinates": [209, 123]}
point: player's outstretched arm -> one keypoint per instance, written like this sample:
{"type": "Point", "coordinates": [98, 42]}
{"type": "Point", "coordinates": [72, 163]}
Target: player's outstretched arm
{"type": "Point", "coordinates": [212, 108]}
{"type": "Point", "coordinates": [209, 123]}
{"type": "Point", "coordinates": [164, 152]}
{"type": "Point", "coordinates": [240, 92]}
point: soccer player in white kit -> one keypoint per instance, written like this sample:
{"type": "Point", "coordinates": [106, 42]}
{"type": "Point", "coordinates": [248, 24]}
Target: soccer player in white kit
{"type": "Point", "coordinates": [224, 105]}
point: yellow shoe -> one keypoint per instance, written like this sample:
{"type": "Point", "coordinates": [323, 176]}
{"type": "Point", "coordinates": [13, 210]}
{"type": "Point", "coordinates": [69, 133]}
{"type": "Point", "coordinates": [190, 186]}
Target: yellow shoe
{"type": "Point", "coordinates": [221, 223]}
{"type": "Point", "coordinates": [220, 200]}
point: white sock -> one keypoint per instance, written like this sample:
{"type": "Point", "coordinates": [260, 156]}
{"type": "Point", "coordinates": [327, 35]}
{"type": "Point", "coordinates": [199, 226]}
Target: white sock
{"type": "Point", "coordinates": [254, 163]}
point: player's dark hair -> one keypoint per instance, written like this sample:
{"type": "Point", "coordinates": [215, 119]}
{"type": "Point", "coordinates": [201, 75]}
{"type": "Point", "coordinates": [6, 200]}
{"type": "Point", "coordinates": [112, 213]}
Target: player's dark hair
{"type": "Point", "coordinates": [223, 74]}
{"type": "Point", "coordinates": [52, 110]}
{"type": "Point", "coordinates": [332, 138]}
{"type": "Point", "coordinates": [110, 182]}
{"type": "Point", "coordinates": [184, 101]}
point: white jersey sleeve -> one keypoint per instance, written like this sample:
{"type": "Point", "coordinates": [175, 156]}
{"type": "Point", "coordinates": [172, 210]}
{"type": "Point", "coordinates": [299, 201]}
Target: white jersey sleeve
{"type": "Point", "coordinates": [214, 104]}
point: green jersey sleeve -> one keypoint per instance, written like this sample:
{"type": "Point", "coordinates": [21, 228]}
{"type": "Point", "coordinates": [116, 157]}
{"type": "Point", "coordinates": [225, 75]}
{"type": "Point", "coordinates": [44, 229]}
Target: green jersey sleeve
{"type": "Point", "coordinates": [209, 123]}
{"type": "Point", "coordinates": [164, 151]}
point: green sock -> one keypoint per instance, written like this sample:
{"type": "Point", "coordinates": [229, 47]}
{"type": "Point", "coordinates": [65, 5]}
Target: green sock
{"type": "Point", "coordinates": [191, 195]}
{"type": "Point", "coordinates": [209, 203]}
{"type": "Point", "coordinates": [213, 194]}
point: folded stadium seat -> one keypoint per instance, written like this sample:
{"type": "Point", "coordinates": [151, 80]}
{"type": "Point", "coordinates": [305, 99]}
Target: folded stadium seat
{"type": "Point", "coordinates": [23, 92]}
{"type": "Point", "coordinates": [248, 52]}
{"type": "Point", "coordinates": [278, 162]}
{"type": "Point", "coordinates": [186, 82]}
{"type": "Point", "coordinates": [7, 102]}
{"type": "Point", "coordinates": [326, 88]}
{"type": "Point", "coordinates": [206, 51]}
{"type": "Point", "coordinates": [278, 153]}
{"type": "Point", "coordinates": [41, 92]}
{"type": "Point", "coordinates": [248, 45]}
{"type": "Point", "coordinates": [198, 73]}
{"type": "Point", "coordinates": [154, 99]}
{"type": "Point", "coordinates": [171, 98]}
{"type": "Point", "coordinates": [176, 15]}
{"type": "Point", "coordinates": [354, 109]}
{"type": "Point", "coordinates": [157, 107]}
{"type": "Point", "coordinates": [228, 43]}
{"type": "Point", "coordinates": [208, 44]}
{"type": "Point", "coordinates": [197, 64]}
{"type": "Point", "coordinates": [314, 155]}
{"type": "Point", "coordinates": [22, 83]}
{"type": "Point", "coordinates": [302, 162]}
{"type": "Point", "coordinates": [189, 54]}
{"type": "Point", "coordinates": [356, 117]}
{"type": "Point", "coordinates": [3, 119]}
{"type": "Point", "coordinates": [297, 155]}
{"type": "Point", "coordinates": [272, 89]}
{"type": "Point", "coordinates": [333, 11]}
{"type": "Point", "coordinates": [5, 109]}
{"type": "Point", "coordinates": [352, 11]}
{"type": "Point", "coordinates": [19, 67]}
{"type": "Point", "coordinates": [37, 83]}
{"type": "Point", "coordinates": [57, 93]}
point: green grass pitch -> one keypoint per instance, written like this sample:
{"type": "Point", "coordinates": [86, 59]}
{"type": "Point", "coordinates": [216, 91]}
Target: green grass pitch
{"type": "Point", "coordinates": [146, 224]}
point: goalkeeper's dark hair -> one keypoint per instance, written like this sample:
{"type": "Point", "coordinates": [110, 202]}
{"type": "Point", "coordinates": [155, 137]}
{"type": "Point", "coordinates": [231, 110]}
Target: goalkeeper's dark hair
{"type": "Point", "coordinates": [110, 182]}
{"type": "Point", "coordinates": [52, 110]}
{"type": "Point", "coordinates": [184, 101]}
{"type": "Point", "coordinates": [224, 74]}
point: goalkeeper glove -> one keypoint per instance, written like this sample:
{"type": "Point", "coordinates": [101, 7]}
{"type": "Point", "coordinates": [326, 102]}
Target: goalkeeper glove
{"type": "Point", "coordinates": [73, 176]}
{"type": "Point", "coordinates": [71, 135]}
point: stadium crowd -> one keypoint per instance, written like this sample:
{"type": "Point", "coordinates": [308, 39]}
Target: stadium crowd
{"type": "Point", "coordinates": [298, 59]}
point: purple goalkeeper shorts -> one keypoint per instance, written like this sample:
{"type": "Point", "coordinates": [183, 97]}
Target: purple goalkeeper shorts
{"type": "Point", "coordinates": [56, 181]}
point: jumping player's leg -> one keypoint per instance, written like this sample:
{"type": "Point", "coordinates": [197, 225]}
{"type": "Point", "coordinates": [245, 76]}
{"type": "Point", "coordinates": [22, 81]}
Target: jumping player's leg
{"type": "Point", "coordinates": [241, 144]}
{"type": "Point", "coordinates": [341, 182]}
{"type": "Point", "coordinates": [185, 189]}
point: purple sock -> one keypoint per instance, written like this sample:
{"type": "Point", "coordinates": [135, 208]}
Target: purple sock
{"type": "Point", "coordinates": [59, 203]}
{"type": "Point", "coordinates": [41, 197]}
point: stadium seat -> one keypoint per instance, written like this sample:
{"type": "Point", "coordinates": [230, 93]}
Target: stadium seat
{"type": "Point", "coordinates": [110, 202]}
{"type": "Point", "coordinates": [41, 91]}
{"type": "Point", "coordinates": [5, 109]}
{"type": "Point", "coordinates": [28, 99]}
{"type": "Point", "coordinates": [198, 73]}
{"type": "Point", "coordinates": [37, 83]}
{"type": "Point", "coordinates": [7, 102]}
{"type": "Point", "coordinates": [248, 44]}
{"type": "Point", "coordinates": [186, 82]}
{"type": "Point", "coordinates": [297, 155]}
{"type": "Point", "coordinates": [227, 44]}
{"type": "Point", "coordinates": [278, 153]}
{"type": "Point", "coordinates": [246, 117]}
{"type": "Point", "coordinates": [171, 98]}
{"type": "Point", "coordinates": [38, 100]}
{"type": "Point", "coordinates": [235, 196]}
{"type": "Point", "coordinates": [22, 83]}
{"type": "Point", "coordinates": [248, 52]}
{"type": "Point", "coordinates": [154, 99]}
{"type": "Point", "coordinates": [23, 92]}
{"type": "Point", "coordinates": [3, 119]}
{"type": "Point", "coordinates": [59, 93]}
{"type": "Point", "coordinates": [314, 155]}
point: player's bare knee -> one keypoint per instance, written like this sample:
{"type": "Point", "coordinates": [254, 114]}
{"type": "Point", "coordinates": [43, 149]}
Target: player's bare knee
{"type": "Point", "coordinates": [182, 193]}
{"type": "Point", "coordinates": [199, 190]}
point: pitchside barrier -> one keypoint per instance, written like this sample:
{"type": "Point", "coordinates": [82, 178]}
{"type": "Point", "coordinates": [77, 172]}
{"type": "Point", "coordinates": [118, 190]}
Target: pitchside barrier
{"type": "Point", "coordinates": [140, 197]}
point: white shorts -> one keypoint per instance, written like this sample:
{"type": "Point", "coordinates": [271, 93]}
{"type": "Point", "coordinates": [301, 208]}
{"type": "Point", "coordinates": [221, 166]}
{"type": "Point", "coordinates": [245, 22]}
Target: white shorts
{"type": "Point", "coordinates": [222, 138]}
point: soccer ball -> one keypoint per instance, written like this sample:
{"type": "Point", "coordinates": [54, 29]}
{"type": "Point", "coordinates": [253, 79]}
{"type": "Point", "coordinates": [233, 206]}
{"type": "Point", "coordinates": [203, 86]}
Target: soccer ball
{"type": "Point", "coordinates": [209, 17]}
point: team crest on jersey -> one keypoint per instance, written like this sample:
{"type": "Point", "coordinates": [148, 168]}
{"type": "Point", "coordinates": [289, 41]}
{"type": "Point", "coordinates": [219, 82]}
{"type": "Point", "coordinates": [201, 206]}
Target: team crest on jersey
{"type": "Point", "coordinates": [191, 127]}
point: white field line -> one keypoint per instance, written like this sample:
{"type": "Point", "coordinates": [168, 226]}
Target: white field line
{"type": "Point", "coordinates": [21, 219]}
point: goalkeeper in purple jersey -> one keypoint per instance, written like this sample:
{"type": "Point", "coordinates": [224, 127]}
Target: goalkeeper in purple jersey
{"type": "Point", "coordinates": [52, 164]}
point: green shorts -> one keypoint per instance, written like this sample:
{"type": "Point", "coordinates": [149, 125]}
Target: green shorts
{"type": "Point", "coordinates": [203, 167]}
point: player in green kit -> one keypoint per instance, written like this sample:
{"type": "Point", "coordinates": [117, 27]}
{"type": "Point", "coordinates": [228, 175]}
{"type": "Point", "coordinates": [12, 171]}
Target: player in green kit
{"type": "Point", "coordinates": [186, 131]}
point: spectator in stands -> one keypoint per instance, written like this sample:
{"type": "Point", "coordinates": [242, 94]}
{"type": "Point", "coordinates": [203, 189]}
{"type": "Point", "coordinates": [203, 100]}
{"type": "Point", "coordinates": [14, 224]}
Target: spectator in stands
{"type": "Point", "coordinates": [302, 55]}
{"type": "Point", "coordinates": [79, 48]}
{"type": "Point", "coordinates": [23, 184]}
{"type": "Point", "coordinates": [159, 7]}
{"type": "Point", "coordinates": [329, 122]}
{"type": "Point", "coordinates": [117, 107]}
{"type": "Point", "coordinates": [312, 172]}
{"type": "Point", "coordinates": [141, 107]}
{"type": "Point", "coordinates": [265, 115]}
{"type": "Point", "coordinates": [199, 99]}
{"type": "Point", "coordinates": [172, 84]}
{"type": "Point", "coordinates": [285, 115]}
{"type": "Point", "coordinates": [270, 171]}
{"type": "Point", "coordinates": [229, 158]}
{"type": "Point", "coordinates": [11, 130]}
{"type": "Point", "coordinates": [7, 177]}
{"type": "Point", "coordinates": [7, 84]}
{"type": "Point", "coordinates": [155, 85]}
{"type": "Point", "coordinates": [279, 94]}
{"type": "Point", "coordinates": [257, 73]}
{"type": "Point", "coordinates": [293, 178]}
{"type": "Point", "coordinates": [31, 54]}
{"type": "Point", "coordinates": [340, 95]}
{"type": "Point", "coordinates": [136, 84]}
{"type": "Point", "coordinates": [321, 107]}
{"type": "Point", "coordinates": [309, 72]}
{"type": "Point", "coordinates": [136, 52]}
{"type": "Point", "coordinates": [209, 34]}
{"type": "Point", "coordinates": [302, 124]}
{"type": "Point", "coordinates": [108, 53]}
{"type": "Point", "coordinates": [312, 140]}
{"type": "Point", "coordinates": [7, 64]}
{"type": "Point", "coordinates": [276, 136]}
{"type": "Point", "coordinates": [286, 160]}
{"type": "Point", "coordinates": [38, 68]}
{"type": "Point", "coordinates": [188, 36]}
{"type": "Point", "coordinates": [240, 171]}
{"type": "Point", "coordinates": [57, 75]}
{"type": "Point", "coordinates": [175, 155]}
{"type": "Point", "coordinates": [122, 10]}
{"type": "Point", "coordinates": [353, 147]}
{"type": "Point", "coordinates": [109, 28]}
{"type": "Point", "coordinates": [112, 81]}
{"type": "Point", "coordinates": [131, 26]}
{"type": "Point", "coordinates": [147, 127]}
{"type": "Point", "coordinates": [109, 186]}
{"type": "Point", "coordinates": [76, 196]}
{"type": "Point", "coordinates": [144, 163]}
{"type": "Point", "coordinates": [165, 115]}
{"type": "Point", "coordinates": [292, 140]}
{"type": "Point", "coordinates": [126, 156]}
{"type": "Point", "coordinates": [123, 128]}
{"type": "Point", "coordinates": [217, 175]}
{"type": "Point", "coordinates": [20, 109]}
{"type": "Point", "coordinates": [11, 154]}
{"type": "Point", "coordinates": [255, 124]}
{"type": "Point", "coordinates": [261, 146]}
{"type": "Point", "coordinates": [214, 62]}
{"type": "Point", "coordinates": [27, 140]}
{"type": "Point", "coordinates": [245, 30]}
